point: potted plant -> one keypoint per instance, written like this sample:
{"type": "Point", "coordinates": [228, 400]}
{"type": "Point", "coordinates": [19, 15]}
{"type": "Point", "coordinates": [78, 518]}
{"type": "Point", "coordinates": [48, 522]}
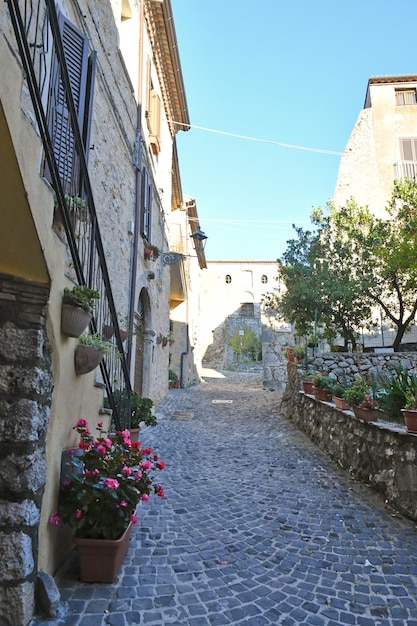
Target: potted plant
{"type": "Point", "coordinates": [77, 308]}
{"type": "Point", "coordinates": [307, 382]}
{"type": "Point", "coordinates": [355, 394]}
{"type": "Point", "coordinates": [338, 397]}
{"type": "Point", "coordinates": [109, 479]}
{"type": "Point", "coordinates": [90, 352]}
{"type": "Point", "coordinates": [173, 379]}
{"type": "Point", "coordinates": [323, 386]}
{"type": "Point", "coordinates": [367, 410]}
{"type": "Point", "coordinates": [299, 352]}
{"type": "Point", "coordinates": [151, 251]}
{"type": "Point", "coordinates": [410, 411]}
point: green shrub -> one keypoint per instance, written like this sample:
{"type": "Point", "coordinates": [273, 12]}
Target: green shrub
{"type": "Point", "coordinates": [394, 387]}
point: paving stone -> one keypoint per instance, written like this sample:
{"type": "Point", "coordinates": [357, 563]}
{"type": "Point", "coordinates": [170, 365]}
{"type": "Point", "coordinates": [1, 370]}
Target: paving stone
{"type": "Point", "coordinates": [258, 528]}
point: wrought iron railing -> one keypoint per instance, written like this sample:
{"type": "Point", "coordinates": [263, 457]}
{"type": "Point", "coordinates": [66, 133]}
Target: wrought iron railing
{"type": "Point", "coordinates": [36, 27]}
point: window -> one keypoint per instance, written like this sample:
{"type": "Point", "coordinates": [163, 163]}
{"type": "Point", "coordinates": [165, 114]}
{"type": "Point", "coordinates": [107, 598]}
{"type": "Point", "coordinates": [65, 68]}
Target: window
{"type": "Point", "coordinates": [228, 278]}
{"type": "Point", "coordinates": [405, 96]}
{"type": "Point", "coordinates": [81, 71]}
{"type": "Point", "coordinates": [146, 206]}
{"type": "Point", "coordinates": [407, 166]}
{"type": "Point", "coordinates": [264, 279]}
{"type": "Point", "coordinates": [153, 113]}
{"type": "Point", "coordinates": [247, 309]}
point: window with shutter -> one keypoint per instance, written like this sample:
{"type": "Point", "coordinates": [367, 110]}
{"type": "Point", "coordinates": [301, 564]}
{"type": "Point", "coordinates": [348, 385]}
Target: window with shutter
{"type": "Point", "coordinates": [405, 96]}
{"type": "Point", "coordinates": [153, 112]}
{"type": "Point", "coordinates": [81, 70]}
{"type": "Point", "coordinates": [408, 147]}
{"type": "Point", "coordinates": [146, 206]}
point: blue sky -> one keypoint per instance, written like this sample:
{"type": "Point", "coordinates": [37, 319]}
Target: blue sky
{"type": "Point", "coordinates": [279, 71]}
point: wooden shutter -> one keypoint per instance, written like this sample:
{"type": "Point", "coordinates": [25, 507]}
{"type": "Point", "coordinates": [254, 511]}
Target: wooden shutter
{"type": "Point", "coordinates": [81, 76]}
{"type": "Point", "coordinates": [146, 206]}
{"type": "Point", "coordinates": [408, 147]}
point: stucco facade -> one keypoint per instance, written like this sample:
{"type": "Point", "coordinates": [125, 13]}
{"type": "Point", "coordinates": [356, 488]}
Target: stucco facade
{"type": "Point", "coordinates": [375, 153]}
{"type": "Point", "coordinates": [230, 301]}
{"type": "Point", "coordinates": [133, 171]}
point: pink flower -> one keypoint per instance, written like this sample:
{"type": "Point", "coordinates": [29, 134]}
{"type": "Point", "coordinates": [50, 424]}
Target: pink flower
{"type": "Point", "coordinates": [160, 491]}
{"type": "Point", "coordinates": [111, 483]}
{"type": "Point", "coordinates": [145, 497]}
{"type": "Point", "coordinates": [54, 519]}
{"type": "Point", "coordinates": [100, 425]}
{"type": "Point", "coordinates": [127, 471]}
{"type": "Point", "coordinates": [78, 513]}
{"type": "Point", "coordinates": [101, 449]}
{"type": "Point", "coordinates": [138, 475]}
{"type": "Point", "coordinates": [82, 424]}
{"type": "Point", "coordinates": [108, 442]}
{"type": "Point", "coordinates": [146, 464]}
{"type": "Point", "coordinates": [134, 519]}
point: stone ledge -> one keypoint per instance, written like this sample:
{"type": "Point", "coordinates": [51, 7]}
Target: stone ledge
{"type": "Point", "coordinates": [380, 455]}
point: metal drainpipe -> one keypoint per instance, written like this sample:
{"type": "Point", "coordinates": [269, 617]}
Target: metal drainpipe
{"type": "Point", "coordinates": [183, 354]}
{"type": "Point", "coordinates": [136, 234]}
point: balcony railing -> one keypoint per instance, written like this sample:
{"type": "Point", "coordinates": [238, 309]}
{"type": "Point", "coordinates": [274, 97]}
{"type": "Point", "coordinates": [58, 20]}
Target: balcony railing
{"type": "Point", "coordinates": [38, 37]}
{"type": "Point", "coordinates": [405, 169]}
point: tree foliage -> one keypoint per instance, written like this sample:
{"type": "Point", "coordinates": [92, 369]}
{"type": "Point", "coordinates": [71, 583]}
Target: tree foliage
{"type": "Point", "coordinates": [351, 263]}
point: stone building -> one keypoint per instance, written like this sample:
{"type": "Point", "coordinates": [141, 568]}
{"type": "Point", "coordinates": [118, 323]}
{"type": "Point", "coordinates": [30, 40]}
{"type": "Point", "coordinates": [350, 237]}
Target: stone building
{"type": "Point", "coordinates": [230, 303]}
{"type": "Point", "coordinates": [90, 178]}
{"type": "Point", "coordinates": [382, 147]}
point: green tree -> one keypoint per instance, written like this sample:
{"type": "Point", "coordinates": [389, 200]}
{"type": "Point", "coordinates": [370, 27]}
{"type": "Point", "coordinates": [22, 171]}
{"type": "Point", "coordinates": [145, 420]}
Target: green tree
{"type": "Point", "coordinates": [351, 263]}
{"type": "Point", "coordinates": [246, 343]}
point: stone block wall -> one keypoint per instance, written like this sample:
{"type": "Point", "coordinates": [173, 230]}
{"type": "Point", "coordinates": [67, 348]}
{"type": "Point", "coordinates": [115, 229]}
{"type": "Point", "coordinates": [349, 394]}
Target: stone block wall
{"type": "Point", "coordinates": [378, 454]}
{"type": "Point", "coordinates": [25, 397]}
{"type": "Point", "coordinates": [345, 365]}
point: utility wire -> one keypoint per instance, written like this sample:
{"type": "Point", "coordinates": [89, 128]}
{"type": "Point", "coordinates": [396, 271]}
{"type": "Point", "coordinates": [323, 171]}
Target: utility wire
{"type": "Point", "coordinates": [270, 141]}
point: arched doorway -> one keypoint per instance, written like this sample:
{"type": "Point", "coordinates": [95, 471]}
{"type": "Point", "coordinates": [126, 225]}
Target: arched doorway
{"type": "Point", "coordinates": [143, 346]}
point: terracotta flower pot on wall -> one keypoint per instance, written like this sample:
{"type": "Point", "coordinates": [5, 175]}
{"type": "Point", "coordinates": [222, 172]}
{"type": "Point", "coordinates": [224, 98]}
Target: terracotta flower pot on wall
{"type": "Point", "coordinates": [308, 387]}
{"type": "Point", "coordinates": [410, 419]}
{"type": "Point", "coordinates": [341, 403]}
{"type": "Point", "coordinates": [322, 394]}
{"type": "Point", "coordinates": [367, 415]}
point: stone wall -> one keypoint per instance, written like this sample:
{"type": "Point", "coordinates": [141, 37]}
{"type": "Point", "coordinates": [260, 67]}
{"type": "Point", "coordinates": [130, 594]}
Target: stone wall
{"type": "Point", "coordinates": [25, 396]}
{"type": "Point", "coordinates": [345, 366]}
{"type": "Point", "coordinates": [379, 454]}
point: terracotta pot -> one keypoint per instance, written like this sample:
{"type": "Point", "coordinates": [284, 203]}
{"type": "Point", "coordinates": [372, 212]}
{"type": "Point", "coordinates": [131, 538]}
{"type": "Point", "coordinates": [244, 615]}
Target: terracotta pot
{"type": "Point", "coordinates": [366, 415]}
{"type": "Point", "coordinates": [134, 434]}
{"type": "Point", "coordinates": [341, 404]}
{"type": "Point", "coordinates": [86, 359]}
{"type": "Point", "coordinates": [322, 394]}
{"type": "Point", "coordinates": [74, 320]}
{"type": "Point", "coordinates": [410, 419]}
{"type": "Point", "coordinates": [308, 387]}
{"type": "Point", "coordinates": [101, 559]}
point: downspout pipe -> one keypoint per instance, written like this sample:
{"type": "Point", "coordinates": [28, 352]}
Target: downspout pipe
{"type": "Point", "coordinates": [138, 178]}
{"type": "Point", "coordinates": [183, 355]}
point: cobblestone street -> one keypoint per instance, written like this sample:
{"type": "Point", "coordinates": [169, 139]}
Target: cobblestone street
{"type": "Point", "coordinates": [257, 528]}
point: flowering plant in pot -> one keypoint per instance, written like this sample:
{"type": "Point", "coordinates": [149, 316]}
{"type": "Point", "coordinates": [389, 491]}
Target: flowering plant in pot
{"type": "Point", "coordinates": [367, 409]}
{"type": "Point", "coordinates": [108, 480]}
{"type": "Point", "coordinates": [112, 475]}
{"type": "Point", "coordinates": [339, 399]}
{"type": "Point", "coordinates": [323, 386]}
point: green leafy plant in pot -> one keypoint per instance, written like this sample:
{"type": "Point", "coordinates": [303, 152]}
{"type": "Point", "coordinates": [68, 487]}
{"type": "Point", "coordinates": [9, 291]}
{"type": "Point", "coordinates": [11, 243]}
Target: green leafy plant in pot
{"type": "Point", "coordinates": [355, 393]}
{"type": "Point", "coordinates": [90, 352]}
{"type": "Point", "coordinates": [77, 308]}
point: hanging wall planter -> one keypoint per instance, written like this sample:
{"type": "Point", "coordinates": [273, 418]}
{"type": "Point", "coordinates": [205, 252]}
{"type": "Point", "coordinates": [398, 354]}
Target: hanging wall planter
{"type": "Point", "coordinates": [74, 320]}
{"type": "Point", "coordinates": [86, 359]}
